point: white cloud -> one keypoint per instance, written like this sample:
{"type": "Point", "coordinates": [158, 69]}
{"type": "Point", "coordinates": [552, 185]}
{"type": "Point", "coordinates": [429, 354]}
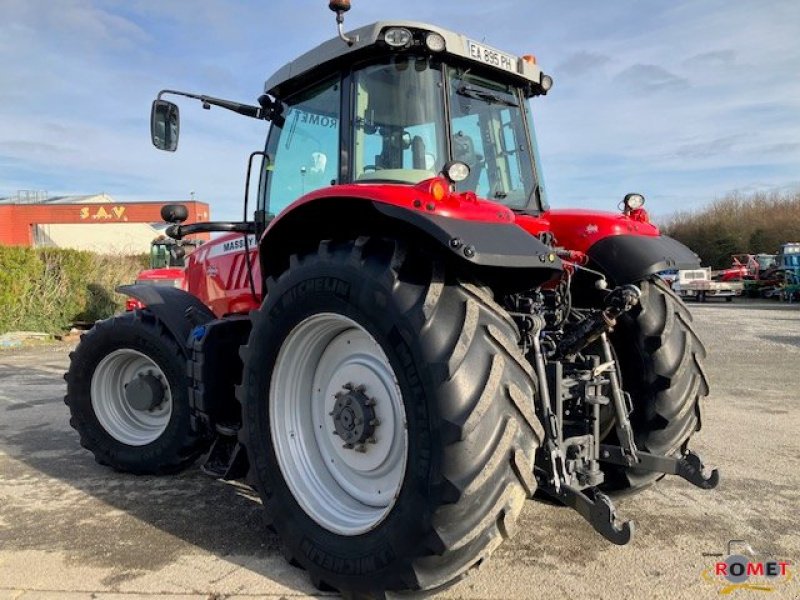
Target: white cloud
{"type": "Point", "coordinates": [683, 101]}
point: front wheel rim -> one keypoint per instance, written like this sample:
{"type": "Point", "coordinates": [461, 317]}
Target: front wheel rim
{"type": "Point", "coordinates": [116, 415]}
{"type": "Point", "coordinates": [329, 375]}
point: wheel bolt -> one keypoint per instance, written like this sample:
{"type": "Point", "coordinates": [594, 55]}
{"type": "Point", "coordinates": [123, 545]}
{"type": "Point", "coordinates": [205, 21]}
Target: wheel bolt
{"type": "Point", "coordinates": [372, 440]}
{"type": "Point", "coordinates": [375, 422]}
{"type": "Point", "coordinates": [361, 448]}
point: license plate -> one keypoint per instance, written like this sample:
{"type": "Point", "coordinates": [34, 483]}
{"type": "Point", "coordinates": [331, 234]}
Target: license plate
{"type": "Point", "coordinates": [490, 56]}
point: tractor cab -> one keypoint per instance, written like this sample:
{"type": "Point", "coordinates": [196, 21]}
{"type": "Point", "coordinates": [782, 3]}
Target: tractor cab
{"type": "Point", "coordinates": [400, 103]}
{"type": "Point", "coordinates": [167, 253]}
{"type": "Point", "coordinates": [788, 260]}
{"type": "Point", "coordinates": [397, 103]}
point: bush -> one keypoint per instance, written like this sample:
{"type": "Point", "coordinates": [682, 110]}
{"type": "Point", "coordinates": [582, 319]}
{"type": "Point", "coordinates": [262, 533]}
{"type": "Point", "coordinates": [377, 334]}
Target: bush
{"type": "Point", "coordinates": [738, 224]}
{"type": "Point", "coordinates": [48, 289]}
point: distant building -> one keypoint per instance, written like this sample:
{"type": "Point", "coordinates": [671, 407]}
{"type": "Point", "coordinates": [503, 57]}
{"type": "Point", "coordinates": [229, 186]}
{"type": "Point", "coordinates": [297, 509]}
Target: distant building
{"type": "Point", "coordinates": [97, 223]}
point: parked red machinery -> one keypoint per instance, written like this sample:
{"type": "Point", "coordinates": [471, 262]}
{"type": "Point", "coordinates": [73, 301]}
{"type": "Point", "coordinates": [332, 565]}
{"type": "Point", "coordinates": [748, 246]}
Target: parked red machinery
{"type": "Point", "coordinates": [167, 266]}
{"type": "Point", "coordinates": [748, 266]}
{"type": "Point", "coordinates": [416, 343]}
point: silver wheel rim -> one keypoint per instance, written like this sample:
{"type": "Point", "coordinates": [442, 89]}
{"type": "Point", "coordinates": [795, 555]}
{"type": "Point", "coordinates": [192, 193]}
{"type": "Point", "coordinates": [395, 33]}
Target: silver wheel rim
{"type": "Point", "coordinates": [345, 491]}
{"type": "Point", "coordinates": [114, 412]}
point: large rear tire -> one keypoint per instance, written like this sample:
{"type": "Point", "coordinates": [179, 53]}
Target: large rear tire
{"type": "Point", "coordinates": [453, 402]}
{"type": "Point", "coordinates": [144, 429]}
{"type": "Point", "coordinates": [661, 359]}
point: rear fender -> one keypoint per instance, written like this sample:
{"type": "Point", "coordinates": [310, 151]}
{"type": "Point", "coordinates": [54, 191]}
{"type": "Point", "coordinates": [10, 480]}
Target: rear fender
{"type": "Point", "coordinates": [631, 258]}
{"type": "Point", "coordinates": [179, 311]}
{"type": "Point", "coordinates": [490, 244]}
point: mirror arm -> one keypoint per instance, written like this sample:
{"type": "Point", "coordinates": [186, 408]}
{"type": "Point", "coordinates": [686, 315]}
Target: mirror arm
{"type": "Point", "coordinates": [176, 232]}
{"type": "Point", "coordinates": [248, 110]}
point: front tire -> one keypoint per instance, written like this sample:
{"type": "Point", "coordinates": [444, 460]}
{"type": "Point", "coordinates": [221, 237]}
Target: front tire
{"type": "Point", "coordinates": [144, 429]}
{"type": "Point", "coordinates": [453, 400]}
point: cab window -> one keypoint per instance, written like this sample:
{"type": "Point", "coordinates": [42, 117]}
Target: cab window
{"type": "Point", "coordinates": [399, 121]}
{"type": "Point", "coordinates": [488, 133]}
{"type": "Point", "coordinates": [303, 147]}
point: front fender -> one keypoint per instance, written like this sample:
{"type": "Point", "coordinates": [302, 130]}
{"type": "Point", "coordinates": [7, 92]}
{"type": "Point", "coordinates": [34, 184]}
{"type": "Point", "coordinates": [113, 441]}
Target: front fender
{"type": "Point", "coordinates": [631, 258]}
{"type": "Point", "coordinates": [171, 305]}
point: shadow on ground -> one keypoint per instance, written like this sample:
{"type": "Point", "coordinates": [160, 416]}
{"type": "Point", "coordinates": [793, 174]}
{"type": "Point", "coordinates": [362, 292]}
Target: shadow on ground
{"type": "Point", "coordinates": [59, 499]}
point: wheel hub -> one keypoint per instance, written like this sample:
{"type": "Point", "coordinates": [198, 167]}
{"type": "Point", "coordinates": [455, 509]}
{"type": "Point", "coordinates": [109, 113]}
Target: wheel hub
{"type": "Point", "coordinates": [145, 392]}
{"type": "Point", "coordinates": [354, 418]}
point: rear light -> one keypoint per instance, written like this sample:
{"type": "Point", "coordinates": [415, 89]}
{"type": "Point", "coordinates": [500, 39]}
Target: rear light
{"type": "Point", "coordinates": [438, 189]}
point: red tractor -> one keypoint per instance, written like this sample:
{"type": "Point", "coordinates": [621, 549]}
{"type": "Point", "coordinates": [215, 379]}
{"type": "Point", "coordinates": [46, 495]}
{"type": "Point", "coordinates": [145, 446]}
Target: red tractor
{"type": "Point", "coordinates": [416, 343]}
{"type": "Point", "coordinates": [167, 265]}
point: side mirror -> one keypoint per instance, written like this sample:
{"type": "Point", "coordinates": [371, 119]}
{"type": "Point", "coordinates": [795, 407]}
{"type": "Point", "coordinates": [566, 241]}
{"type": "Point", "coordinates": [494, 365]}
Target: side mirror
{"type": "Point", "coordinates": [165, 125]}
{"type": "Point", "coordinates": [174, 213]}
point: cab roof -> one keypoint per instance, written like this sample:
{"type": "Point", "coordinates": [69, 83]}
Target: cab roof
{"type": "Point", "coordinates": [336, 50]}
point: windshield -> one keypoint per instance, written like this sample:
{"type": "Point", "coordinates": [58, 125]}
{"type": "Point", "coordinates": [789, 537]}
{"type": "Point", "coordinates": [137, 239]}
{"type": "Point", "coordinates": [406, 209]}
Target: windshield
{"type": "Point", "coordinates": [159, 256]}
{"type": "Point", "coordinates": [489, 134]}
{"type": "Point", "coordinates": [399, 122]}
{"type": "Point", "coordinates": [765, 261]}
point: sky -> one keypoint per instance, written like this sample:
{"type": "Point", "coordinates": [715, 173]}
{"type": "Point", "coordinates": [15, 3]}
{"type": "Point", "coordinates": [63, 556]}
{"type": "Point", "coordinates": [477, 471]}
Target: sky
{"type": "Point", "coordinates": [683, 101]}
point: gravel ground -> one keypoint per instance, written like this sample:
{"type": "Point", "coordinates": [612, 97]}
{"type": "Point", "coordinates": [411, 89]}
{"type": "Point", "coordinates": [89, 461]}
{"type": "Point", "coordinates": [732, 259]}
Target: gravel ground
{"type": "Point", "coordinates": [71, 529]}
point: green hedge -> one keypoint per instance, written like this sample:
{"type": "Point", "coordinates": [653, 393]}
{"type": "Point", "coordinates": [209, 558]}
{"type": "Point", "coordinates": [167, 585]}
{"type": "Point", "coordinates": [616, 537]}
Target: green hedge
{"type": "Point", "coordinates": [48, 289]}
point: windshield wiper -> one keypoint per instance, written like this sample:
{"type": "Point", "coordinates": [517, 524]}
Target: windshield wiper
{"type": "Point", "coordinates": [485, 95]}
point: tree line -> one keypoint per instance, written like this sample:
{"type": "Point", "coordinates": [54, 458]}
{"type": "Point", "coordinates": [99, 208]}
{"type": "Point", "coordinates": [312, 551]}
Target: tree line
{"type": "Point", "coordinates": [738, 224]}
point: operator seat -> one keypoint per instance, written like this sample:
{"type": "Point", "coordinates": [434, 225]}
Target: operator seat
{"type": "Point", "coordinates": [417, 153]}
{"type": "Point", "coordinates": [464, 151]}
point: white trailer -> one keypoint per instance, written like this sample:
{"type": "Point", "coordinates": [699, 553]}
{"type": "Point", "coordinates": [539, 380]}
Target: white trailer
{"type": "Point", "coordinates": [698, 285]}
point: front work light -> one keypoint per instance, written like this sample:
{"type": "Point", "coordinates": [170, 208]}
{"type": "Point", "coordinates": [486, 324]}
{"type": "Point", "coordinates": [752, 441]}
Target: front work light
{"type": "Point", "coordinates": [397, 37]}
